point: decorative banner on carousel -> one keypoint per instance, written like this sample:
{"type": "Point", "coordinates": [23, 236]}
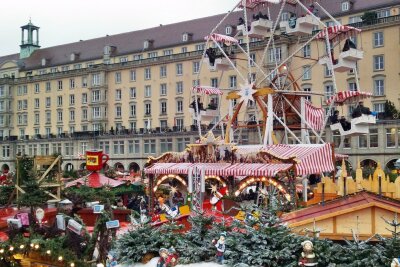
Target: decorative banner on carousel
{"type": "Point", "coordinates": [112, 224]}
{"type": "Point", "coordinates": [74, 226]}
{"type": "Point", "coordinates": [60, 222]}
{"type": "Point", "coordinates": [98, 208]}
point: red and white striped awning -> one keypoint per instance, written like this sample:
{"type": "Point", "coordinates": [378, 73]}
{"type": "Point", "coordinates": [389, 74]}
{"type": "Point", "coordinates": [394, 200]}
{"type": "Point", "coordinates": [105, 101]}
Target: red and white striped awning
{"type": "Point", "coordinates": [168, 168]}
{"type": "Point", "coordinates": [220, 169]}
{"type": "Point", "coordinates": [336, 31]}
{"type": "Point", "coordinates": [346, 97]}
{"type": "Point", "coordinates": [313, 158]}
{"type": "Point", "coordinates": [207, 90]}
{"type": "Point", "coordinates": [222, 38]}
{"type": "Point", "coordinates": [313, 115]}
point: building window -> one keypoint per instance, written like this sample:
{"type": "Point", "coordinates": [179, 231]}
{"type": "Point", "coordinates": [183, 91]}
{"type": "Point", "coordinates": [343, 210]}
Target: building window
{"type": "Point", "coordinates": [59, 101]}
{"type": "Point", "coordinates": [179, 106]}
{"type": "Point", "coordinates": [307, 51]}
{"type": "Point", "coordinates": [60, 85]}
{"type": "Point", "coordinates": [184, 49]}
{"type": "Point", "coordinates": [105, 146]}
{"type": "Point", "coordinates": [132, 110]}
{"type": "Point", "coordinates": [96, 113]}
{"type": "Point", "coordinates": [59, 116]}
{"type": "Point", "coordinates": [152, 55]}
{"type": "Point", "coordinates": [48, 117]}
{"type": "Point", "coordinates": [37, 118]}
{"type": "Point", "coordinates": [379, 63]}
{"type": "Point", "coordinates": [390, 137]}
{"type": "Point", "coordinates": [378, 39]}
{"type": "Point", "coordinates": [118, 77]}
{"type": "Point", "coordinates": [71, 100]}
{"type": "Point", "coordinates": [118, 94]}
{"type": "Point", "coordinates": [379, 107]}
{"type": "Point", "coordinates": [84, 98]}
{"type": "Point", "coordinates": [274, 55]}
{"type": "Point", "coordinates": [71, 83]}
{"type": "Point", "coordinates": [96, 96]}
{"type": "Point", "coordinates": [147, 73]}
{"type": "Point", "coordinates": [179, 88]}
{"type": "Point", "coordinates": [147, 91]}
{"type": "Point", "coordinates": [163, 124]}
{"type": "Point", "coordinates": [48, 87]}
{"type": "Point", "coordinates": [133, 146]}
{"type": "Point", "coordinates": [307, 89]}
{"type": "Point", "coordinates": [163, 71]}
{"type": "Point", "coordinates": [84, 81]}
{"type": "Point", "coordinates": [165, 145]}
{"type": "Point", "coordinates": [84, 114]}
{"type": "Point", "coordinates": [37, 88]}
{"type": "Point", "coordinates": [232, 81]}
{"type": "Point", "coordinates": [179, 69]}
{"type": "Point", "coordinates": [352, 86]}
{"type": "Point", "coordinates": [200, 47]}
{"type": "Point", "coordinates": [132, 75]}
{"type": "Point", "coordinates": [96, 79]}
{"type": "Point", "coordinates": [149, 146]}
{"type": "Point", "coordinates": [179, 124]}
{"type": "Point", "coordinates": [362, 141]}
{"type": "Point", "coordinates": [37, 103]}
{"type": "Point", "coordinates": [379, 87]}
{"type": "Point", "coordinates": [119, 147]}
{"type": "Point", "coordinates": [118, 111]}
{"type": "Point", "coordinates": [132, 92]}
{"type": "Point", "coordinates": [228, 30]}
{"type": "Point", "coordinates": [163, 108]}
{"type": "Point", "coordinates": [147, 109]}
{"type": "Point", "coordinates": [306, 72]}
{"type": "Point", "coordinates": [196, 67]}
{"type": "Point", "coordinates": [328, 90]}
{"type": "Point", "coordinates": [168, 52]}
{"type": "Point", "coordinates": [345, 6]}
{"type": "Point", "coordinates": [252, 59]}
{"type": "Point", "coordinates": [327, 71]}
{"type": "Point", "coordinates": [185, 37]}
{"type": "Point", "coordinates": [182, 143]}
{"type": "Point", "coordinates": [196, 82]}
{"type": "Point", "coordinates": [373, 138]}
{"type": "Point", "coordinates": [163, 89]}
{"type": "Point", "coordinates": [6, 151]}
{"type": "Point", "coordinates": [72, 115]}
{"type": "Point", "coordinates": [383, 13]}
{"type": "Point", "coordinates": [214, 82]}
{"type": "Point", "coordinates": [138, 57]}
{"type": "Point", "coordinates": [354, 19]}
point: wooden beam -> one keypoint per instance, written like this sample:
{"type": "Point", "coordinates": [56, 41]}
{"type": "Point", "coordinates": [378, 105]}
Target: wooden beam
{"type": "Point", "coordinates": [229, 125]}
{"type": "Point", "coordinates": [49, 169]}
{"type": "Point", "coordinates": [52, 195]}
{"type": "Point", "coordinates": [20, 189]}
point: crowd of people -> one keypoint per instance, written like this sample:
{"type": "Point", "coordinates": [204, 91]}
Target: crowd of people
{"type": "Point", "coordinates": [357, 112]}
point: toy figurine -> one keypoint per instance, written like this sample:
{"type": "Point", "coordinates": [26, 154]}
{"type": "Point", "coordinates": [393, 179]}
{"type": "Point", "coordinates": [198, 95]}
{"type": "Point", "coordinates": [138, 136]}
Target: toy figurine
{"type": "Point", "coordinates": [162, 262]}
{"type": "Point", "coordinates": [172, 259]}
{"type": "Point", "coordinates": [220, 245]}
{"type": "Point", "coordinates": [395, 262]}
{"type": "Point", "coordinates": [307, 256]}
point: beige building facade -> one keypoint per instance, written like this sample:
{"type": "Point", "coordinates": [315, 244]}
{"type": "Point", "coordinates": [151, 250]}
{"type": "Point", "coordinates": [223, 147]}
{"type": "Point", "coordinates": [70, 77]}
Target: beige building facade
{"type": "Point", "coordinates": [129, 94]}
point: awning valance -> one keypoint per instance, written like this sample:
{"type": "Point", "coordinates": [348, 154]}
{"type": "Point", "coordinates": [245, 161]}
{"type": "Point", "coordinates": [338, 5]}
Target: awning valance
{"type": "Point", "coordinates": [222, 38]}
{"type": "Point", "coordinates": [336, 31]}
{"type": "Point", "coordinates": [206, 90]}
{"type": "Point", "coordinates": [345, 97]}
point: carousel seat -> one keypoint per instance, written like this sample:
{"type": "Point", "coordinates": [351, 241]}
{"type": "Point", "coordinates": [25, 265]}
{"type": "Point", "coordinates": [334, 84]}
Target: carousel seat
{"type": "Point", "coordinates": [359, 126]}
{"type": "Point", "coordinates": [205, 115]}
{"type": "Point", "coordinates": [304, 26]}
{"type": "Point", "coordinates": [259, 28]}
{"type": "Point", "coordinates": [348, 60]}
{"type": "Point", "coordinates": [219, 64]}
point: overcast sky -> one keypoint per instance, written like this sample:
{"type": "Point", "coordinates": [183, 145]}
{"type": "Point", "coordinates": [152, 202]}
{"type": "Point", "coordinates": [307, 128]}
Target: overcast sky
{"type": "Point", "coordinates": [66, 21]}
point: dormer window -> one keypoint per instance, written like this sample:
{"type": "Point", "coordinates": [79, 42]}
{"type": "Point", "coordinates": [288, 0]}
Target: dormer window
{"type": "Point", "coordinates": [228, 30]}
{"type": "Point", "coordinates": [345, 6]}
{"type": "Point", "coordinates": [44, 62]}
{"type": "Point", "coordinates": [146, 44]}
{"type": "Point", "coordinates": [185, 37]}
{"type": "Point", "coordinates": [73, 56]}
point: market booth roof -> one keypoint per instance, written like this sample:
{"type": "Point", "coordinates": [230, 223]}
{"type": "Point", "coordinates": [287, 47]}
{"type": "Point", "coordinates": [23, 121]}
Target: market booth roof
{"type": "Point", "coordinates": [95, 180]}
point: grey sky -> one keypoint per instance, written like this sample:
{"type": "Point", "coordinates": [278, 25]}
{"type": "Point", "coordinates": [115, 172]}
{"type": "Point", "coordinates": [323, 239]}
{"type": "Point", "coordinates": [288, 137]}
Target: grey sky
{"type": "Point", "coordinates": [66, 21]}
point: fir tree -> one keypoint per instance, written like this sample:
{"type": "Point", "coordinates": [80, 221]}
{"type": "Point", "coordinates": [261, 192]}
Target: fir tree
{"type": "Point", "coordinates": [389, 248]}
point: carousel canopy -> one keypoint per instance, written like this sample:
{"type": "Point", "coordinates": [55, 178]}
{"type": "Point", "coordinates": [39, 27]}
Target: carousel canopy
{"type": "Point", "coordinates": [220, 169]}
{"type": "Point", "coordinates": [95, 180]}
{"type": "Point", "coordinates": [254, 3]}
{"type": "Point", "coordinates": [312, 158]}
{"type": "Point", "coordinates": [206, 90]}
{"type": "Point", "coordinates": [337, 31]}
{"type": "Point", "coordinates": [346, 97]}
{"type": "Point", "coordinates": [222, 38]}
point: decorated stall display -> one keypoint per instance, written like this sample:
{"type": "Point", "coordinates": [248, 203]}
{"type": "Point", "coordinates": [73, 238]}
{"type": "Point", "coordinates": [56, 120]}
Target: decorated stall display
{"type": "Point", "coordinates": [74, 226]}
{"type": "Point", "coordinates": [221, 247]}
{"type": "Point", "coordinates": [172, 212]}
{"type": "Point", "coordinates": [168, 257]}
{"type": "Point", "coordinates": [94, 160]}
{"type": "Point", "coordinates": [307, 256]}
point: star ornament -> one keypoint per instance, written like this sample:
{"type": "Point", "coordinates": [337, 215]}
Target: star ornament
{"type": "Point", "coordinates": [214, 188]}
{"type": "Point", "coordinates": [174, 189]}
{"type": "Point", "coordinates": [246, 93]}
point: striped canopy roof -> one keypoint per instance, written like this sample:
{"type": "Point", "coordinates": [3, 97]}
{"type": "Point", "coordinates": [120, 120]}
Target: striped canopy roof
{"type": "Point", "coordinates": [207, 90]}
{"type": "Point", "coordinates": [336, 31]}
{"type": "Point", "coordinates": [310, 159]}
{"type": "Point", "coordinates": [222, 38]}
{"type": "Point", "coordinates": [346, 97]}
{"type": "Point", "coordinates": [254, 3]}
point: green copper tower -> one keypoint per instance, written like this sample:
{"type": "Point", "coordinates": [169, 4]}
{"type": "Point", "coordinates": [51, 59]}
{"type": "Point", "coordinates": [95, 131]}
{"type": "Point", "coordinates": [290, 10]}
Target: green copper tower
{"type": "Point", "coordinates": [30, 44]}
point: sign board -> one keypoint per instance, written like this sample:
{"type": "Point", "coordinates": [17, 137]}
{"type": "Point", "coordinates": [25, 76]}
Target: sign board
{"type": "Point", "coordinates": [112, 224]}
{"type": "Point", "coordinates": [60, 222]}
{"type": "Point", "coordinates": [74, 226]}
{"type": "Point", "coordinates": [98, 208]}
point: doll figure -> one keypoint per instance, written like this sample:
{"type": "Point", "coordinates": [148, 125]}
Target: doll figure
{"type": "Point", "coordinates": [220, 245]}
{"type": "Point", "coordinates": [307, 256]}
